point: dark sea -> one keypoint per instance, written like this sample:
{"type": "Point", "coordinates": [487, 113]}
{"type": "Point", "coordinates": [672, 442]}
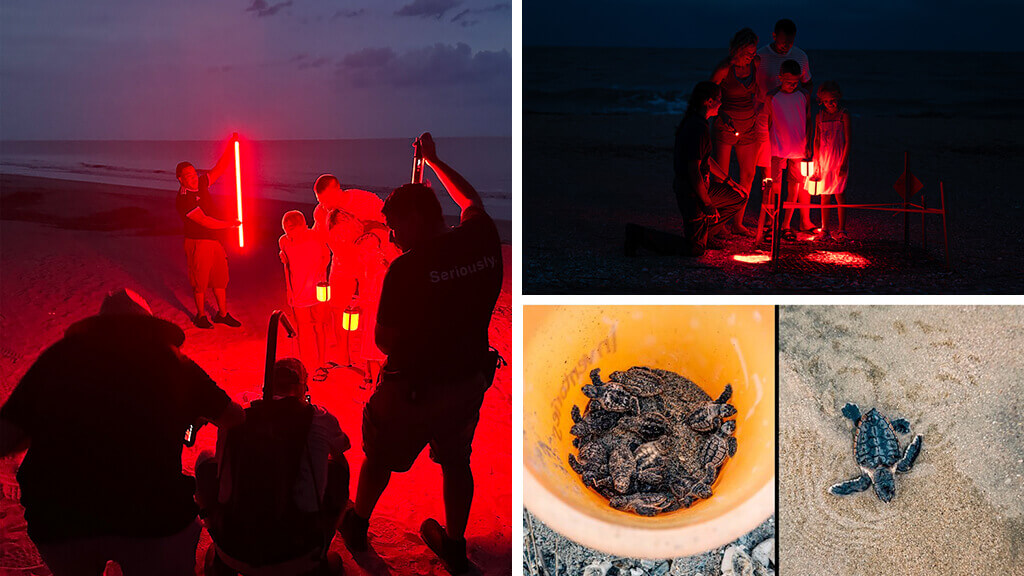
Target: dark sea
{"type": "Point", "coordinates": [658, 81]}
{"type": "Point", "coordinates": [279, 169]}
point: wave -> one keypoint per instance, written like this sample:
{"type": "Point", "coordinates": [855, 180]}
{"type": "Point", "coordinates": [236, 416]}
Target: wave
{"type": "Point", "coordinates": [606, 101]}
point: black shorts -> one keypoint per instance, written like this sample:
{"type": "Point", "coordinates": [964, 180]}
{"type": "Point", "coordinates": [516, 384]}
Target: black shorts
{"type": "Point", "coordinates": [397, 425]}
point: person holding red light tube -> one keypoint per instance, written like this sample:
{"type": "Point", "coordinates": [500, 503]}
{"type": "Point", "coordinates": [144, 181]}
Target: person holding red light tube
{"type": "Point", "coordinates": [103, 413]}
{"type": "Point", "coordinates": [207, 262]}
{"type": "Point", "coordinates": [436, 302]}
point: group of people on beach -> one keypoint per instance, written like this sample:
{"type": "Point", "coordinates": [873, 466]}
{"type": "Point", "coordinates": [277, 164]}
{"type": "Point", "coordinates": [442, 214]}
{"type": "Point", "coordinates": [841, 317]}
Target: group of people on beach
{"type": "Point", "coordinates": [758, 105]}
{"type": "Point", "coordinates": [103, 412]}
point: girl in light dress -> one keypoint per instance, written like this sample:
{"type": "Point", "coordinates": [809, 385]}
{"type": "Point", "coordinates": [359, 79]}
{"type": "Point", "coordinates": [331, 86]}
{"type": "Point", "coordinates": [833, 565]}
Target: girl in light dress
{"type": "Point", "coordinates": [831, 154]}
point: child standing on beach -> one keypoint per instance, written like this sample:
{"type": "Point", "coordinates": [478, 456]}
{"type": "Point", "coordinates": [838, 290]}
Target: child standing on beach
{"type": "Point", "coordinates": [375, 260]}
{"type": "Point", "coordinates": [305, 259]}
{"type": "Point", "coordinates": [346, 269]}
{"type": "Point", "coordinates": [788, 125]}
{"type": "Point", "coordinates": [831, 153]}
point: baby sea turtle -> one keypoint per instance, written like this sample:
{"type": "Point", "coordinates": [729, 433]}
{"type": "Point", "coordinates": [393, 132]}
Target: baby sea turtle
{"type": "Point", "coordinates": [592, 464]}
{"type": "Point", "coordinates": [646, 503]}
{"type": "Point", "coordinates": [622, 466]}
{"type": "Point", "coordinates": [711, 414]}
{"type": "Point", "coordinates": [687, 489]}
{"type": "Point", "coordinates": [719, 445]}
{"type": "Point", "coordinates": [594, 421]}
{"type": "Point", "coordinates": [877, 451]}
{"type": "Point", "coordinates": [639, 381]}
{"type": "Point", "coordinates": [649, 426]}
{"type": "Point", "coordinates": [650, 462]}
{"type": "Point", "coordinates": [612, 397]}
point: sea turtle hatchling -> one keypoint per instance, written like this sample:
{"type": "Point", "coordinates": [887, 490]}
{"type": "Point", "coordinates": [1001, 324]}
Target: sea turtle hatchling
{"type": "Point", "coordinates": [592, 464]}
{"type": "Point", "coordinates": [877, 451]}
{"type": "Point", "coordinates": [719, 446]}
{"type": "Point", "coordinates": [646, 503]}
{"type": "Point", "coordinates": [711, 414]}
{"type": "Point", "coordinates": [594, 421]}
{"type": "Point", "coordinates": [612, 397]}
{"type": "Point", "coordinates": [639, 381]}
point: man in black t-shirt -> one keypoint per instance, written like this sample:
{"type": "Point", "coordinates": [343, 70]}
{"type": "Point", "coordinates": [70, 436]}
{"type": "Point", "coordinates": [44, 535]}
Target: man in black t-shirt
{"type": "Point", "coordinates": [435, 308]}
{"type": "Point", "coordinates": [103, 413]}
{"type": "Point", "coordinates": [205, 256]}
{"type": "Point", "coordinates": [705, 204]}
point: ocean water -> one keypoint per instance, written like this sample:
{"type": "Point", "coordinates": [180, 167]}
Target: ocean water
{"type": "Point", "coordinates": [658, 81]}
{"type": "Point", "coordinates": [279, 169]}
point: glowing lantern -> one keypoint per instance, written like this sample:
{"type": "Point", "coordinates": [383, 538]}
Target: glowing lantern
{"type": "Point", "coordinates": [350, 319]}
{"type": "Point", "coordinates": [815, 187]}
{"type": "Point", "coordinates": [238, 190]}
{"type": "Point", "coordinates": [806, 168]}
{"type": "Point", "coordinates": [323, 291]}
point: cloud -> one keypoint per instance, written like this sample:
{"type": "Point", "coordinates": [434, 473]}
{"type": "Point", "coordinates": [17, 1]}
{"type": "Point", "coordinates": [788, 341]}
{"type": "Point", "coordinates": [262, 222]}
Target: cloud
{"type": "Point", "coordinates": [261, 8]}
{"type": "Point", "coordinates": [437, 65]}
{"type": "Point", "coordinates": [427, 8]}
{"type": "Point", "coordinates": [348, 14]}
{"type": "Point", "coordinates": [465, 18]}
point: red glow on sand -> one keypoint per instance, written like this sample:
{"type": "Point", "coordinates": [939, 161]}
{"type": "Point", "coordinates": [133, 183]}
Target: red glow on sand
{"type": "Point", "coordinates": [753, 258]}
{"type": "Point", "coordinates": [848, 259]}
{"type": "Point", "coordinates": [238, 194]}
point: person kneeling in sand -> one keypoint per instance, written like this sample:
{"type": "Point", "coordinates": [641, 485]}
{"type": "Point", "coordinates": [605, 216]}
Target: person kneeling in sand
{"type": "Point", "coordinates": [306, 257]}
{"type": "Point", "coordinates": [273, 495]}
{"type": "Point", "coordinates": [103, 413]}
{"type": "Point", "coordinates": [706, 205]}
{"type": "Point", "coordinates": [206, 259]}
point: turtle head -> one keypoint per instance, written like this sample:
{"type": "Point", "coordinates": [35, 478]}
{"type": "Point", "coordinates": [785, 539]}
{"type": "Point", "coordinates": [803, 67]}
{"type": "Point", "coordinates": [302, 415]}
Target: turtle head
{"type": "Point", "coordinates": [885, 485]}
{"type": "Point", "coordinates": [729, 427]}
{"type": "Point", "coordinates": [726, 410]}
{"type": "Point", "coordinates": [591, 391]}
{"type": "Point", "coordinates": [615, 398]}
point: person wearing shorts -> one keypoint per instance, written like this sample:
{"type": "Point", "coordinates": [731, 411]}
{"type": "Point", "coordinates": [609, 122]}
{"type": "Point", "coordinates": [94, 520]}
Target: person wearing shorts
{"type": "Point", "coordinates": [306, 257]}
{"type": "Point", "coordinates": [205, 257]}
{"type": "Point", "coordinates": [436, 303]}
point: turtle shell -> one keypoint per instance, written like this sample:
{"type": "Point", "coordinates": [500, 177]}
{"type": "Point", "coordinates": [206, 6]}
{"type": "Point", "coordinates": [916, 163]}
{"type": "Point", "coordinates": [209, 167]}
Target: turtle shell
{"type": "Point", "coordinates": [715, 450]}
{"type": "Point", "coordinates": [875, 443]}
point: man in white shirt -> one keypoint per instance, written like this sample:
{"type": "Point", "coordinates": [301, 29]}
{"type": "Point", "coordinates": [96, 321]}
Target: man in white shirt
{"type": "Point", "coordinates": [782, 49]}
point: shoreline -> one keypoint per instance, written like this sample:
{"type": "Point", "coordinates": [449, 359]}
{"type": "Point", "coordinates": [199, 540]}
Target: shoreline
{"type": "Point", "coordinates": [146, 210]}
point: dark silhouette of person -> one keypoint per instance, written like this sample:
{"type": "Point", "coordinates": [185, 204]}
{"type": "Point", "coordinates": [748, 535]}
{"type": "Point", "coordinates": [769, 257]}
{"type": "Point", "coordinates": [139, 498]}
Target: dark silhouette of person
{"type": "Point", "coordinates": [273, 496]}
{"type": "Point", "coordinates": [204, 231]}
{"type": "Point", "coordinates": [103, 413]}
{"type": "Point", "coordinates": [705, 205]}
{"type": "Point", "coordinates": [435, 307]}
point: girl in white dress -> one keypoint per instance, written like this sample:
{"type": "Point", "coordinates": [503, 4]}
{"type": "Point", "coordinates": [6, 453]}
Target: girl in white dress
{"type": "Point", "coordinates": [831, 154]}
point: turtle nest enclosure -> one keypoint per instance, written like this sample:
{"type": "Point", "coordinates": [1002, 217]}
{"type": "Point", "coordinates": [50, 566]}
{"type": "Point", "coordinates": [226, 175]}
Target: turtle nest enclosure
{"type": "Point", "coordinates": [651, 441]}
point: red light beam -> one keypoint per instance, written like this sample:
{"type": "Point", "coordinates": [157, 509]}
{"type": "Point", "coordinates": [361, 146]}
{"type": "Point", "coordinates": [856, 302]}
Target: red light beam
{"type": "Point", "coordinates": [238, 192]}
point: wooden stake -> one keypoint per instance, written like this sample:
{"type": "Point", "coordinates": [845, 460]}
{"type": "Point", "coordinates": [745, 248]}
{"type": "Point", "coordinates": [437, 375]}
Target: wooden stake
{"type": "Point", "coordinates": [945, 233]}
{"type": "Point", "coordinates": [906, 199]}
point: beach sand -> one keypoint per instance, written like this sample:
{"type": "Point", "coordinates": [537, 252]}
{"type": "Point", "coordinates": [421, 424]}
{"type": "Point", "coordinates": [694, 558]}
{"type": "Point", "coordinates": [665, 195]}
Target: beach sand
{"type": "Point", "coordinates": [65, 244]}
{"type": "Point", "coordinates": [585, 175]}
{"type": "Point", "coordinates": [955, 374]}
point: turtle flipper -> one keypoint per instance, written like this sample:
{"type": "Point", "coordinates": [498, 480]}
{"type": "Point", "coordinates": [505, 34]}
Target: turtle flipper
{"type": "Point", "coordinates": [595, 377]}
{"type": "Point", "coordinates": [575, 464]}
{"type": "Point", "coordinates": [907, 462]}
{"type": "Point", "coordinates": [726, 394]}
{"type": "Point", "coordinates": [901, 425]}
{"type": "Point", "coordinates": [591, 391]}
{"type": "Point", "coordinates": [858, 484]}
{"type": "Point", "coordinates": [575, 413]}
{"type": "Point", "coordinates": [851, 411]}
{"type": "Point", "coordinates": [732, 446]}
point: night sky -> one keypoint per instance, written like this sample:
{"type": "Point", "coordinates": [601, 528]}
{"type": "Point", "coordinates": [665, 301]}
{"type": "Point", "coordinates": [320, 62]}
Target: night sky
{"type": "Point", "coordinates": [985, 25]}
{"type": "Point", "coordinates": [292, 69]}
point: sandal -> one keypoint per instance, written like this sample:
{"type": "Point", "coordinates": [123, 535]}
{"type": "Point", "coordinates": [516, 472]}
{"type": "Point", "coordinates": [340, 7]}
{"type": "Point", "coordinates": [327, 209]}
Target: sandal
{"type": "Point", "coordinates": [330, 365]}
{"type": "Point", "coordinates": [789, 235]}
{"type": "Point", "coordinates": [840, 236]}
{"type": "Point", "coordinates": [320, 375]}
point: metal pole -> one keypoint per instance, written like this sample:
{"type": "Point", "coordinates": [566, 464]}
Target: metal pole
{"type": "Point", "coordinates": [277, 317]}
{"type": "Point", "coordinates": [417, 163]}
{"type": "Point", "coordinates": [777, 227]}
{"type": "Point", "coordinates": [945, 234]}
{"type": "Point", "coordinates": [924, 232]}
{"type": "Point", "coordinates": [906, 199]}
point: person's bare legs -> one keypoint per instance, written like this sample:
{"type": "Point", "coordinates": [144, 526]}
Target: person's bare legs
{"type": "Point", "coordinates": [320, 334]}
{"type": "Point", "coordinates": [200, 296]}
{"type": "Point", "coordinates": [220, 295]}
{"type": "Point", "coordinates": [344, 355]}
{"type": "Point", "coordinates": [458, 498]}
{"type": "Point", "coordinates": [824, 214]}
{"type": "Point", "coordinates": [791, 195]}
{"type": "Point", "coordinates": [746, 157]}
{"type": "Point", "coordinates": [805, 211]}
{"type": "Point", "coordinates": [373, 479]}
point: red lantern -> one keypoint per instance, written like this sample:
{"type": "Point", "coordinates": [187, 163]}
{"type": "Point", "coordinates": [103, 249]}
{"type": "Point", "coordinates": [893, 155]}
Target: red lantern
{"type": "Point", "coordinates": [323, 292]}
{"type": "Point", "coordinates": [350, 319]}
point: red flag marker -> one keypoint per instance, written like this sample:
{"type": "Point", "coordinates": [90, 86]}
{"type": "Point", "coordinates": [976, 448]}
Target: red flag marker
{"type": "Point", "coordinates": [238, 191]}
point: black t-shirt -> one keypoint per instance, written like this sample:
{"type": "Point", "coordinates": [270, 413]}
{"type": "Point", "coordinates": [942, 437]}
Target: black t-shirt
{"type": "Point", "coordinates": [188, 200]}
{"type": "Point", "coordinates": [439, 298]}
{"type": "Point", "coordinates": [693, 142]}
{"type": "Point", "coordinates": [106, 410]}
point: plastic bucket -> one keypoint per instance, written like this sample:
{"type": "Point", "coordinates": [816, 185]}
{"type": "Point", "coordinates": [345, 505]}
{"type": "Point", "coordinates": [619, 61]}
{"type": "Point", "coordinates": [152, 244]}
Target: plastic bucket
{"type": "Point", "coordinates": [711, 345]}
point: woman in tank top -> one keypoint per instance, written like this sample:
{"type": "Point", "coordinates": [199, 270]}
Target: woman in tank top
{"type": "Point", "coordinates": [736, 125]}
